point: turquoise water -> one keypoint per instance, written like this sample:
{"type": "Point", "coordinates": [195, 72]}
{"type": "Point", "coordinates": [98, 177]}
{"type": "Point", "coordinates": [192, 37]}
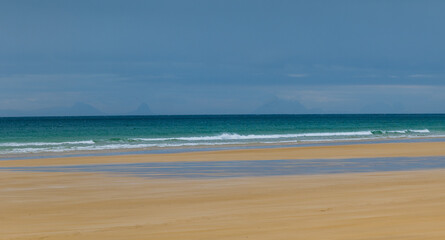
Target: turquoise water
{"type": "Point", "coordinates": [74, 134]}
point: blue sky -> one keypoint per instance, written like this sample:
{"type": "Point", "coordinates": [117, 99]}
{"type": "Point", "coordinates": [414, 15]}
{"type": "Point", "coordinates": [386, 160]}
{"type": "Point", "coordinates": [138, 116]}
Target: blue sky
{"type": "Point", "coordinates": [200, 57]}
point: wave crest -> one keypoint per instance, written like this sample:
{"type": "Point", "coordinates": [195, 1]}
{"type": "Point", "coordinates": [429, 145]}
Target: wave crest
{"type": "Point", "coordinates": [235, 136]}
{"type": "Point", "coordinates": [215, 140]}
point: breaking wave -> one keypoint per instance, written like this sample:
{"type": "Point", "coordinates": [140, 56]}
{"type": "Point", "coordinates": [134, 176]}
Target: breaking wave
{"type": "Point", "coordinates": [209, 140]}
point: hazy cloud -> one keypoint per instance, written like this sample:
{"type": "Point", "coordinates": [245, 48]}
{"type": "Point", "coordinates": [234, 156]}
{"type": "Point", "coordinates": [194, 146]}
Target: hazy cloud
{"type": "Point", "coordinates": [422, 76]}
{"type": "Point", "coordinates": [297, 75]}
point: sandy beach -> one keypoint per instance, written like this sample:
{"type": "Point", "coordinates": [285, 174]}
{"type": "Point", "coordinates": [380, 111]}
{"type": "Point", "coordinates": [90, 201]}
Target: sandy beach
{"type": "Point", "coordinates": [377, 205]}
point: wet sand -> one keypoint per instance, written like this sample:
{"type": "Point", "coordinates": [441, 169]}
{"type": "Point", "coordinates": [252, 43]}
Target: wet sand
{"type": "Point", "coordinates": [377, 205]}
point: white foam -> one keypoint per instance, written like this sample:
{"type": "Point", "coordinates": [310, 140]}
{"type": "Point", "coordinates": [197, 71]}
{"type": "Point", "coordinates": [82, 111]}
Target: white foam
{"type": "Point", "coordinates": [109, 147]}
{"type": "Point", "coordinates": [235, 136]}
{"type": "Point", "coordinates": [408, 131]}
{"type": "Point", "coordinates": [420, 131]}
{"type": "Point", "coordinates": [15, 144]}
{"type": "Point", "coordinates": [221, 139]}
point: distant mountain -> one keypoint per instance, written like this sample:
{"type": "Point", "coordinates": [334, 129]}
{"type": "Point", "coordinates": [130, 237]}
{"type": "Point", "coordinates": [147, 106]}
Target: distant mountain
{"type": "Point", "coordinates": [78, 109]}
{"type": "Point", "coordinates": [282, 106]}
{"type": "Point", "coordinates": [143, 109]}
{"type": "Point", "coordinates": [81, 109]}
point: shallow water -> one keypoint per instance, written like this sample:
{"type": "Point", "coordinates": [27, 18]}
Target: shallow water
{"type": "Point", "coordinates": [256, 168]}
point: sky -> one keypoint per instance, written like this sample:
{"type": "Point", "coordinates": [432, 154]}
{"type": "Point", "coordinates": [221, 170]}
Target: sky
{"type": "Point", "coordinates": [224, 57]}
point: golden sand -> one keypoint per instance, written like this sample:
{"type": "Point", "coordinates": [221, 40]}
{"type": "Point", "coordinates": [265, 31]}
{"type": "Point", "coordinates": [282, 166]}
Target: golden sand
{"type": "Point", "coordinates": [390, 205]}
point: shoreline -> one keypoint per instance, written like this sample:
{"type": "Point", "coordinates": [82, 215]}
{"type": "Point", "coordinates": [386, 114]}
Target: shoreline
{"type": "Point", "coordinates": [417, 149]}
{"type": "Point", "coordinates": [184, 149]}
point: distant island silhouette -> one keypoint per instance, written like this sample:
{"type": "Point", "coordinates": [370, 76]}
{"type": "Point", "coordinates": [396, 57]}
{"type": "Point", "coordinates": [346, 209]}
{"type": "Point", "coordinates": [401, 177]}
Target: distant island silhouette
{"type": "Point", "coordinates": [77, 109]}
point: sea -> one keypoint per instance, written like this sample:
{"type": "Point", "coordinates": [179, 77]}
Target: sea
{"type": "Point", "coordinates": [68, 135]}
